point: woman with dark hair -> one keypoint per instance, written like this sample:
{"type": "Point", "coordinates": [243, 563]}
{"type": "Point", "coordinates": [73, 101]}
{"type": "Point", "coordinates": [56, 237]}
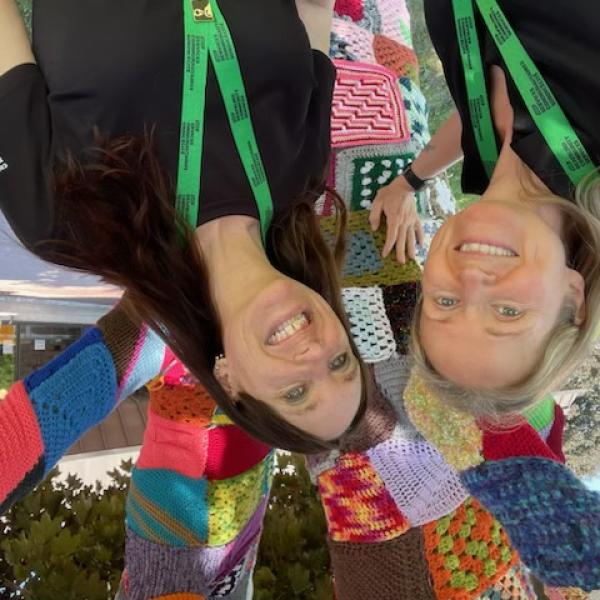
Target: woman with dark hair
{"type": "Point", "coordinates": [91, 125]}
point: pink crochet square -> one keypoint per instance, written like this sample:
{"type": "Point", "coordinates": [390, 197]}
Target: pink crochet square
{"type": "Point", "coordinates": [179, 447]}
{"type": "Point", "coordinates": [367, 106]}
{"type": "Point", "coordinates": [21, 443]}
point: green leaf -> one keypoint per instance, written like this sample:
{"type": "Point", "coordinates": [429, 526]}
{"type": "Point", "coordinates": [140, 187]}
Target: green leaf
{"type": "Point", "coordinates": [299, 577]}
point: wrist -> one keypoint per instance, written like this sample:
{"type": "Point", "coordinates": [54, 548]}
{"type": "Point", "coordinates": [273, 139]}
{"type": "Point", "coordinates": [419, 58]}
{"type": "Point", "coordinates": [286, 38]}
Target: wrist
{"type": "Point", "coordinates": [413, 180]}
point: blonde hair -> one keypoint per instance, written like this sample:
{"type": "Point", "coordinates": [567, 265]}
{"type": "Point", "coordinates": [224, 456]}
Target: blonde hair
{"type": "Point", "coordinates": [567, 344]}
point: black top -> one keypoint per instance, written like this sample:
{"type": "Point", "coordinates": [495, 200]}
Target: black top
{"type": "Point", "coordinates": [117, 65]}
{"type": "Point", "coordinates": [563, 39]}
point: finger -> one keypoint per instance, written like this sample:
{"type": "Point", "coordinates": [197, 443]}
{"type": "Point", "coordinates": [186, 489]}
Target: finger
{"type": "Point", "coordinates": [411, 243]}
{"type": "Point", "coordinates": [401, 244]}
{"type": "Point", "coordinates": [420, 233]}
{"type": "Point", "coordinates": [390, 236]}
{"type": "Point", "coordinates": [375, 215]}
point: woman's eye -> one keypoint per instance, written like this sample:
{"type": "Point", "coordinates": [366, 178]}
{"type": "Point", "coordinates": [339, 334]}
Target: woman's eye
{"type": "Point", "coordinates": [446, 302]}
{"type": "Point", "coordinates": [339, 362]}
{"type": "Point", "coordinates": [508, 311]}
{"type": "Point", "coordinates": [295, 394]}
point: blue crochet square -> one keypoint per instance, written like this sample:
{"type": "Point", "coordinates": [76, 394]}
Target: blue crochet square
{"type": "Point", "coordinates": [362, 255]}
{"type": "Point", "coordinates": [72, 394]}
{"type": "Point", "coordinates": [169, 508]}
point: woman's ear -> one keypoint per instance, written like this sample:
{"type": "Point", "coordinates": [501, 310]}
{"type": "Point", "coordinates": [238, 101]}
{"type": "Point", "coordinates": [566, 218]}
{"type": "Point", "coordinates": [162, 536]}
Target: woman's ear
{"type": "Point", "coordinates": [577, 295]}
{"type": "Point", "coordinates": [222, 374]}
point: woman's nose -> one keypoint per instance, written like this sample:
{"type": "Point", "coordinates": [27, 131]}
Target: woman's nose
{"type": "Point", "coordinates": [310, 352]}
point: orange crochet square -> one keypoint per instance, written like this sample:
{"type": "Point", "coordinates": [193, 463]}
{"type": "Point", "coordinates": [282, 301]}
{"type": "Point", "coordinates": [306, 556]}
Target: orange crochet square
{"type": "Point", "coordinates": [183, 404]}
{"type": "Point", "coordinates": [467, 551]}
{"type": "Point", "coordinates": [357, 504]}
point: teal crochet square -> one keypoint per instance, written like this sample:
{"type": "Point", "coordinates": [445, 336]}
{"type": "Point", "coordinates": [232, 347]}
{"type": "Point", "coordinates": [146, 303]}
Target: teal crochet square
{"type": "Point", "coordinates": [362, 255]}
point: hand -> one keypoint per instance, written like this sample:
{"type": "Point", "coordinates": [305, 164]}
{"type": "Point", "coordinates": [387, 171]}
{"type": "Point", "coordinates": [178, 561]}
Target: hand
{"type": "Point", "coordinates": [404, 230]}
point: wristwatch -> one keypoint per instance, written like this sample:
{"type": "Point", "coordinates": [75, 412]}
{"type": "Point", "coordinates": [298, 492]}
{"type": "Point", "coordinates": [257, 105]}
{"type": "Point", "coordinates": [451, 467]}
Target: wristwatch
{"type": "Point", "coordinates": [415, 182]}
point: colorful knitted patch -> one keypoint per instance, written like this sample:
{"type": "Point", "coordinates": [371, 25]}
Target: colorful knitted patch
{"type": "Point", "coordinates": [555, 436]}
{"type": "Point", "coordinates": [232, 502]}
{"type": "Point", "coordinates": [565, 594]}
{"type": "Point", "coordinates": [395, 20]}
{"type": "Point", "coordinates": [349, 41]}
{"type": "Point", "coordinates": [231, 451]}
{"type": "Point", "coordinates": [521, 440]}
{"type": "Point", "coordinates": [422, 484]}
{"type": "Point", "coordinates": [454, 434]}
{"type": "Point", "coordinates": [552, 519]}
{"type": "Point", "coordinates": [514, 585]}
{"type": "Point", "coordinates": [228, 584]}
{"type": "Point", "coordinates": [400, 301]}
{"type": "Point", "coordinates": [367, 106]}
{"type": "Point", "coordinates": [392, 570]}
{"type": "Point", "coordinates": [364, 266]}
{"type": "Point", "coordinates": [146, 361]}
{"type": "Point", "coordinates": [167, 508]}
{"type": "Point", "coordinates": [357, 504]}
{"type": "Point", "coordinates": [417, 112]}
{"type": "Point", "coordinates": [397, 57]}
{"type": "Point", "coordinates": [183, 404]}
{"type": "Point", "coordinates": [359, 173]}
{"type": "Point", "coordinates": [350, 8]}
{"type": "Point", "coordinates": [174, 445]}
{"type": "Point", "coordinates": [541, 414]}
{"type": "Point", "coordinates": [63, 413]}
{"type": "Point", "coordinates": [21, 444]}
{"type": "Point", "coordinates": [369, 323]}
{"type": "Point", "coordinates": [467, 551]}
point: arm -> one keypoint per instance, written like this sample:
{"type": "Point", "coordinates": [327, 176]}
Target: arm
{"type": "Point", "coordinates": [397, 200]}
{"type": "Point", "coordinates": [15, 48]}
{"type": "Point", "coordinates": [317, 16]}
{"type": "Point", "coordinates": [43, 415]}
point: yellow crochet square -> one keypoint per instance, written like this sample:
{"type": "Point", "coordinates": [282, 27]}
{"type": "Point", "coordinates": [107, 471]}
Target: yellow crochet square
{"type": "Point", "coordinates": [232, 502]}
{"type": "Point", "coordinates": [455, 435]}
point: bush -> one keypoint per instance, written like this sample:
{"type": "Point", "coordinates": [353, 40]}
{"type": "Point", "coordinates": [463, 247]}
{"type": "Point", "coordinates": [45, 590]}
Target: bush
{"type": "Point", "coordinates": [66, 540]}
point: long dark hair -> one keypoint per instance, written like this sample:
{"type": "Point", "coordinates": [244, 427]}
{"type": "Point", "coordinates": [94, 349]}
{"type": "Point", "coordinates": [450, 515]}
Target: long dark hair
{"type": "Point", "coordinates": [116, 219]}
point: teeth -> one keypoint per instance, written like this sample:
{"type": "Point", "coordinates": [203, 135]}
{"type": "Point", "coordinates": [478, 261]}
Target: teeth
{"type": "Point", "coordinates": [486, 249]}
{"type": "Point", "coordinates": [289, 328]}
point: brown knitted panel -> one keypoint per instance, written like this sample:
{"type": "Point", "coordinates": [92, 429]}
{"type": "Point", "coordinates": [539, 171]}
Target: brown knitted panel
{"type": "Point", "coordinates": [393, 570]}
{"type": "Point", "coordinates": [376, 426]}
{"type": "Point", "coordinates": [121, 335]}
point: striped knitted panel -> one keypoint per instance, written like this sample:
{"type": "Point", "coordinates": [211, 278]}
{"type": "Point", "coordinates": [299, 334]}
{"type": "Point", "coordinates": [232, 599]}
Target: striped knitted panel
{"type": "Point", "coordinates": [513, 585]}
{"type": "Point", "coordinates": [541, 415]}
{"type": "Point", "coordinates": [233, 501]}
{"type": "Point", "coordinates": [552, 519]}
{"type": "Point", "coordinates": [21, 446]}
{"type": "Point", "coordinates": [357, 504]}
{"type": "Point", "coordinates": [467, 551]}
{"type": "Point", "coordinates": [167, 508]}
{"type": "Point", "coordinates": [422, 484]}
{"type": "Point", "coordinates": [155, 569]}
{"type": "Point", "coordinates": [65, 411]}
{"type": "Point", "coordinates": [176, 446]}
{"type": "Point", "coordinates": [392, 570]}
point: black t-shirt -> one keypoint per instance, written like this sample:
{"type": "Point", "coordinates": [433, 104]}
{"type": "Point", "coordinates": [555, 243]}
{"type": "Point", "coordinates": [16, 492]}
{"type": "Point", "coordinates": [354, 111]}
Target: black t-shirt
{"type": "Point", "coordinates": [117, 65]}
{"type": "Point", "coordinates": [563, 39]}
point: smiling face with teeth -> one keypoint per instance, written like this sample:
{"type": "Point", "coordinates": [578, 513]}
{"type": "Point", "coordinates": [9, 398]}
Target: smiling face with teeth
{"type": "Point", "coordinates": [494, 285]}
{"type": "Point", "coordinates": [288, 348]}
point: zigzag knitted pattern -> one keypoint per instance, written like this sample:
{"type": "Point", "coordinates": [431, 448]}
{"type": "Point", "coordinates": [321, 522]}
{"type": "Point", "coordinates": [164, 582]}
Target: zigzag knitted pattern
{"type": "Point", "coordinates": [549, 515]}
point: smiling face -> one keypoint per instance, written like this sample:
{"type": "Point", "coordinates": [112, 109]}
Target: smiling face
{"type": "Point", "coordinates": [494, 285]}
{"type": "Point", "coordinates": [288, 348]}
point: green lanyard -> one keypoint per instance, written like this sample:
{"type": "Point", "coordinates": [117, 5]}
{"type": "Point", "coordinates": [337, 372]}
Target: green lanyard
{"type": "Point", "coordinates": [207, 35]}
{"type": "Point", "coordinates": [543, 107]}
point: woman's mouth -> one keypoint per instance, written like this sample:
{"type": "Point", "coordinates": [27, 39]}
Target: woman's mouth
{"type": "Point", "coordinates": [488, 249]}
{"type": "Point", "coordinates": [289, 328]}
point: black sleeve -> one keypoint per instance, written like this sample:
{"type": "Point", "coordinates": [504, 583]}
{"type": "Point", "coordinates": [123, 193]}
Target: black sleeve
{"type": "Point", "coordinates": [26, 197]}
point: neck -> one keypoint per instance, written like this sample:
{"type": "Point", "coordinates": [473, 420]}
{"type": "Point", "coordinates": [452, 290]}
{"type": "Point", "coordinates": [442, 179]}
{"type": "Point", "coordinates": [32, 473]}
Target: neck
{"type": "Point", "coordinates": [236, 261]}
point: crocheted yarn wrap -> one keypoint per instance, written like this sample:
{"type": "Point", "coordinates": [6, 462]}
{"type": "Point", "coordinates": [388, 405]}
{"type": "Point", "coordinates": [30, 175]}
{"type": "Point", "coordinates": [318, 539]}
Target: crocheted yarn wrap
{"type": "Point", "coordinates": [369, 323]}
{"type": "Point", "coordinates": [552, 519]}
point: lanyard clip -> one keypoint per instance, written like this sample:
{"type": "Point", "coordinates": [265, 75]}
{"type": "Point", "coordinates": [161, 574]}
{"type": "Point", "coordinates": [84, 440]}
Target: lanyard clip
{"type": "Point", "coordinates": [202, 10]}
